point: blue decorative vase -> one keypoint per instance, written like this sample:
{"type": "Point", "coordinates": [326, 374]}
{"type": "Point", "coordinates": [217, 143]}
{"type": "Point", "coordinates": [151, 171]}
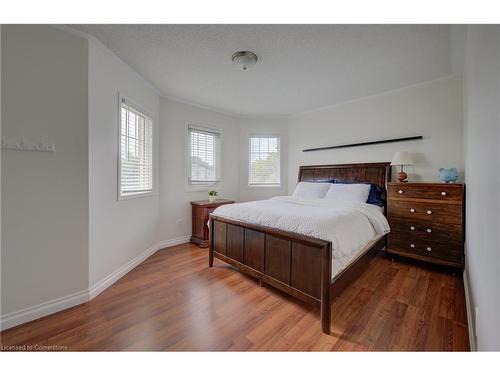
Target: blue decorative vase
{"type": "Point", "coordinates": [448, 176]}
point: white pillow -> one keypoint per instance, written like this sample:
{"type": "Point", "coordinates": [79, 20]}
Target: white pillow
{"type": "Point", "coordinates": [349, 192]}
{"type": "Point", "coordinates": [311, 189]}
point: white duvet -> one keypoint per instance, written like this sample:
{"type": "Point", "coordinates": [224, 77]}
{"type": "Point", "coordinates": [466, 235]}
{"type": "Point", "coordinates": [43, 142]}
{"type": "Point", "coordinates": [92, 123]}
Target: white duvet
{"type": "Point", "coordinates": [348, 226]}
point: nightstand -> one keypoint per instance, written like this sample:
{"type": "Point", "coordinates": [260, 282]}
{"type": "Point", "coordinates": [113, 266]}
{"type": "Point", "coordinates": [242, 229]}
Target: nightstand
{"type": "Point", "coordinates": [201, 211]}
{"type": "Point", "coordinates": [427, 222]}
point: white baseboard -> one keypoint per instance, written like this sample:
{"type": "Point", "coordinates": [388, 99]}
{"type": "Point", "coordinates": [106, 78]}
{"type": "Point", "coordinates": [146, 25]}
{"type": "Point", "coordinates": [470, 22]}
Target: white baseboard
{"type": "Point", "coordinates": [470, 320]}
{"type": "Point", "coordinates": [43, 309]}
{"type": "Point", "coordinates": [176, 241]}
{"type": "Point", "coordinates": [113, 277]}
{"type": "Point", "coordinates": [50, 307]}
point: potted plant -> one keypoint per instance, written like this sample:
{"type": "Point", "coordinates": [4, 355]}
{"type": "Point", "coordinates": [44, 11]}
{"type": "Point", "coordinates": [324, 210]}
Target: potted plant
{"type": "Point", "coordinates": [212, 195]}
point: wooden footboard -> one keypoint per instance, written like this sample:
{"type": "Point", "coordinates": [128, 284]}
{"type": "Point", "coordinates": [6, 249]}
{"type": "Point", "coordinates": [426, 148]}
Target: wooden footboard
{"type": "Point", "coordinates": [298, 265]}
{"type": "Point", "coordinates": [295, 264]}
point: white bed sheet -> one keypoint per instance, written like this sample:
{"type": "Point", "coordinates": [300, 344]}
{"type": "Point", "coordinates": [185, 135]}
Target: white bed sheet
{"type": "Point", "coordinates": [349, 226]}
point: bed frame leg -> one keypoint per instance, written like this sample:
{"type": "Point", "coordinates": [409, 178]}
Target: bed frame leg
{"type": "Point", "coordinates": [326, 279]}
{"type": "Point", "coordinates": [211, 244]}
{"type": "Point", "coordinates": [210, 258]}
{"type": "Point", "coordinates": [325, 316]}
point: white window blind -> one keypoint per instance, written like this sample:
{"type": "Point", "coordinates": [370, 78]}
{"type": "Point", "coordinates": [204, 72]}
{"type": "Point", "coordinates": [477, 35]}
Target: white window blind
{"type": "Point", "coordinates": [136, 151]}
{"type": "Point", "coordinates": [204, 156]}
{"type": "Point", "coordinates": [264, 160]}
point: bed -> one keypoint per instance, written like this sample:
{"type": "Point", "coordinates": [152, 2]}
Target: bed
{"type": "Point", "coordinates": [304, 255]}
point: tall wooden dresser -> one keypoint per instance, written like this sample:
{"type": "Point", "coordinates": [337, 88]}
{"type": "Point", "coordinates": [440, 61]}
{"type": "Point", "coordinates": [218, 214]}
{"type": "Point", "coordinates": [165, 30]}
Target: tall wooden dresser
{"type": "Point", "coordinates": [427, 222]}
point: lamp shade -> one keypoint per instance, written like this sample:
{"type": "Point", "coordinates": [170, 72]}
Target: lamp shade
{"type": "Point", "coordinates": [402, 158]}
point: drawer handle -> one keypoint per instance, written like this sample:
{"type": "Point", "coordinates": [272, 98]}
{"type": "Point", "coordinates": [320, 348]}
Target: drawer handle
{"type": "Point", "coordinates": [412, 210]}
{"type": "Point", "coordinates": [412, 227]}
{"type": "Point", "coordinates": [429, 230]}
{"type": "Point", "coordinates": [443, 193]}
{"type": "Point", "coordinates": [429, 212]}
{"type": "Point", "coordinates": [412, 245]}
{"type": "Point", "coordinates": [400, 191]}
{"type": "Point", "coordinates": [429, 248]}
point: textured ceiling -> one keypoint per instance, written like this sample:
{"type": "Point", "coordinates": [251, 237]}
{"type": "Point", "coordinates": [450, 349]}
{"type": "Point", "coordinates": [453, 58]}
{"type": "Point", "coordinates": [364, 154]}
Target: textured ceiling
{"type": "Point", "coordinates": [300, 67]}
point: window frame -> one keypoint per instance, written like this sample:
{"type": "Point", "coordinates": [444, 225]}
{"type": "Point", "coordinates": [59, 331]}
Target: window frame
{"type": "Point", "coordinates": [249, 151]}
{"type": "Point", "coordinates": [142, 110]}
{"type": "Point", "coordinates": [200, 186]}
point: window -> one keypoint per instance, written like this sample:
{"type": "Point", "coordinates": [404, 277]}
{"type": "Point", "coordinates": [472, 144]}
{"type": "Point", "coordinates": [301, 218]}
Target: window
{"type": "Point", "coordinates": [264, 160]}
{"type": "Point", "coordinates": [136, 151]}
{"type": "Point", "coordinates": [204, 156]}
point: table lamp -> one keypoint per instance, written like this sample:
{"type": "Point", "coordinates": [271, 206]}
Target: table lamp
{"type": "Point", "coordinates": [402, 158]}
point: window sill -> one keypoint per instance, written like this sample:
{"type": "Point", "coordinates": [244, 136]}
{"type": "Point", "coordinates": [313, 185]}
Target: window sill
{"type": "Point", "coordinates": [139, 195]}
{"type": "Point", "coordinates": [198, 188]}
{"type": "Point", "coordinates": [275, 187]}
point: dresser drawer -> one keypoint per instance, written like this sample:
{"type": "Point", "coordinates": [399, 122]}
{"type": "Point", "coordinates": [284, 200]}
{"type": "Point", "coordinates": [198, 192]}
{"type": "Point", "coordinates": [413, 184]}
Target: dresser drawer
{"type": "Point", "coordinates": [436, 212]}
{"type": "Point", "coordinates": [445, 192]}
{"type": "Point", "coordinates": [428, 230]}
{"type": "Point", "coordinates": [451, 251]}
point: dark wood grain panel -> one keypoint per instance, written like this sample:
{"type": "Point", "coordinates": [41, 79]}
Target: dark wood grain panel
{"type": "Point", "coordinates": [277, 258]}
{"type": "Point", "coordinates": [341, 173]}
{"type": "Point", "coordinates": [234, 248]}
{"type": "Point", "coordinates": [268, 280]}
{"type": "Point", "coordinates": [425, 258]}
{"type": "Point", "coordinates": [306, 269]}
{"type": "Point", "coordinates": [219, 237]}
{"type": "Point", "coordinates": [307, 175]}
{"type": "Point", "coordinates": [274, 231]}
{"type": "Point", "coordinates": [201, 211]}
{"type": "Point", "coordinates": [427, 222]}
{"type": "Point", "coordinates": [376, 173]}
{"type": "Point", "coordinates": [425, 211]}
{"type": "Point", "coordinates": [197, 214]}
{"type": "Point", "coordinates": [442, 192]}
{"type": "Point", "coordinates": [254, 252]}
{"type": "Point", "coordinates": [216, 203]}
{"type": "Point", "coordinates": [427, 230]}
{"type": "Point", "coordinates": [322, 175]}
{"type": "Point", "coordinates": [450, 251]}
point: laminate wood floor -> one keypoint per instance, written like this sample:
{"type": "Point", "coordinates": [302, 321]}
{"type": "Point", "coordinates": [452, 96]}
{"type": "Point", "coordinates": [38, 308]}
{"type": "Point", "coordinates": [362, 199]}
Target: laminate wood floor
{"type": "Point", "coordinates": [174, 302]}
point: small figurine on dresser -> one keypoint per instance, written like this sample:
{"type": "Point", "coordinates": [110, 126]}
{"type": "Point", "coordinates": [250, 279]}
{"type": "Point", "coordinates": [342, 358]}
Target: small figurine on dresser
{"type": "Point", "coordinates": [448, 176]}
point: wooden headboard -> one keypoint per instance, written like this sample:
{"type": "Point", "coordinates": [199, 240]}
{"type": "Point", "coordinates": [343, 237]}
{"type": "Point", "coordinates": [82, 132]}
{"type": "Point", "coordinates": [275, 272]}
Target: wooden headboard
{"type": "Point", "coordinates": [376, 173]}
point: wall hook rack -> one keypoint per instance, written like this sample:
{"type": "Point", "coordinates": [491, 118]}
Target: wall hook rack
{"type": "Point", "coordinates": [22, 144]}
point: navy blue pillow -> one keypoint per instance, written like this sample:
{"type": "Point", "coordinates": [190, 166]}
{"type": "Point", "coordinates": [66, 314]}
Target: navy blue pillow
{"type": "Point", "coordinates": [375, 195]}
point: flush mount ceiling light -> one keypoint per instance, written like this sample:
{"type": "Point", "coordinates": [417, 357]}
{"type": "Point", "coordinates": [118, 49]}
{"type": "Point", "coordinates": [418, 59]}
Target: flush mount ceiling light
{"type": "Point", "coordinates": [244, 59]}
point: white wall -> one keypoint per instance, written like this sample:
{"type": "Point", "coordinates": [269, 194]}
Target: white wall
{"type": "Point", "coordinates": [432, 109]}
{"type": "Point", "coordinates": [44, 195]}
{"type": "Point", "coordinates": [276, 126]}
{"type": "Point", "coordinates": [175, 209]}
{"type": "Point", "coordinates": [482, 165]}
{"type": "Point", "coordinates": [458, 34]}
{"type": "Point", "coordinates": [118, 230]}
